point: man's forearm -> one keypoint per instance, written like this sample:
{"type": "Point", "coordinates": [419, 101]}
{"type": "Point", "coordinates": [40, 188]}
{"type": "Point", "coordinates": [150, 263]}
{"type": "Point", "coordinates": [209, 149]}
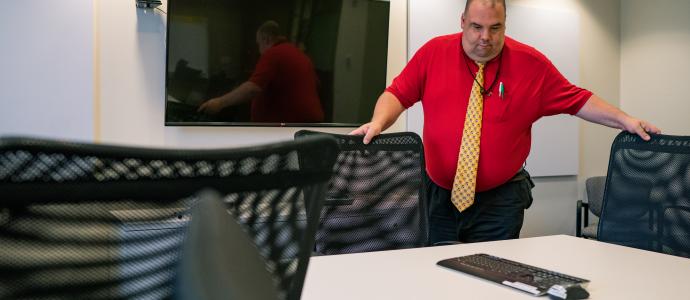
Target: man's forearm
{"type": "Point", "coordinates": [387, 110]}
{"type": "Point", "coordinates": [241, 94]}
{"type": "Point", "coordinates": [598, 111]}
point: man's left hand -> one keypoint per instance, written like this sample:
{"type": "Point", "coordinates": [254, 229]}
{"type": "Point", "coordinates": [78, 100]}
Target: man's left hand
{"type": "Point", "coordinates": [640, 127]}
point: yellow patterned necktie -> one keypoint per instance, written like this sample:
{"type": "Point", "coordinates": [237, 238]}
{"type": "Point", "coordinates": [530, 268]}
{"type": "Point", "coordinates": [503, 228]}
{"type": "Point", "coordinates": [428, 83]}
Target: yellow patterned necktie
{"type": "Point", "coordinates": [465, 180]}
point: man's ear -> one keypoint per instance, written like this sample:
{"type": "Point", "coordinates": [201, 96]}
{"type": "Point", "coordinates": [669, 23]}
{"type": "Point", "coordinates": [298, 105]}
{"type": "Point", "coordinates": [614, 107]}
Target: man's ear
{"type": "Point", "coordinates": [462, 20]}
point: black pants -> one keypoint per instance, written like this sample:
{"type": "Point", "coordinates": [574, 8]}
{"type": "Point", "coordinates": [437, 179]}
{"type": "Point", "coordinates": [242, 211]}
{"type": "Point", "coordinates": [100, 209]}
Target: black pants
{"type": "Point", "coordinates": [496, 214]}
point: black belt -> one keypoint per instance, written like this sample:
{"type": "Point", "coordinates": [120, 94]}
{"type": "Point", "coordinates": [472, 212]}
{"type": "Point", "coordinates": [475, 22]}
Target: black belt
{"type": "Point", "coordinates": [522, 175]}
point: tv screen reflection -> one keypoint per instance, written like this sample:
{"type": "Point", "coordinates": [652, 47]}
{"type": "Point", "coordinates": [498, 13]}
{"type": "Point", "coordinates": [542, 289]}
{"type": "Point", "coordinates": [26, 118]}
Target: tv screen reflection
{"type": "Point", "coordinates": [275, 62]}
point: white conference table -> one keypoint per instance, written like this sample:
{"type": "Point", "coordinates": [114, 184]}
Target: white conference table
{"type": "Point", "coordinates": [615, 272]}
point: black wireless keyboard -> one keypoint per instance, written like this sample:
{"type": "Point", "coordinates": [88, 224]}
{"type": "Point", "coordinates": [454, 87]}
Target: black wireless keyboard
{"type": "Point", "coordinates": [533, 280]}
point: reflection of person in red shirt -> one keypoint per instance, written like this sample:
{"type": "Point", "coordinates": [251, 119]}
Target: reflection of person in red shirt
{"type": "Point", "coordinates": [282, 87]}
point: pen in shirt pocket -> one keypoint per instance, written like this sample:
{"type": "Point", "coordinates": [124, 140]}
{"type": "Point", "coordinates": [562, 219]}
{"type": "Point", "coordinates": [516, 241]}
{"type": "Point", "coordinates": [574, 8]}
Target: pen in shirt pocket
{"type": "Point", "coordinates": [501, 90]}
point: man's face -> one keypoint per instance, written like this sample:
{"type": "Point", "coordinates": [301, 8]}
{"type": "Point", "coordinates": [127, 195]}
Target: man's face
{"type": "Point", "coordinates": [484, 30]}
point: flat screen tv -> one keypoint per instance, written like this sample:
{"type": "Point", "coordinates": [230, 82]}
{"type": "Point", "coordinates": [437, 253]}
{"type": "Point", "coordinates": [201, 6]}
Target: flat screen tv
{"type": "Point", "coordinates": [275, 62]}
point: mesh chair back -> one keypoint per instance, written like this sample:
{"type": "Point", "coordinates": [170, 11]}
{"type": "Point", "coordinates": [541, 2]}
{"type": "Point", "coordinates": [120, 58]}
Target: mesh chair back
{"type": "Point", "coordinates": [647, 194]}
{"type": "Point", "coordinates": [106, 222]}
{"type": "Point", "coordinates": [375, 200]}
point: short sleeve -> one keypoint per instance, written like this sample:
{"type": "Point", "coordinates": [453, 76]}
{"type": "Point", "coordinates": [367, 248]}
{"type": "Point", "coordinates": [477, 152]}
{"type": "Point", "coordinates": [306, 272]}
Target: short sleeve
{"type": "Point", "coordinates": [265, 71]}
{"type": "Point", "coordinates": [558, 95]}
{"type": "Point", "coordinates": [409, 84]}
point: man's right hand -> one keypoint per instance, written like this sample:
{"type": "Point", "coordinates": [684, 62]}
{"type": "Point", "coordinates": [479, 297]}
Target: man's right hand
{"type": "Point", "coordinates": [387, 110]}
{"type": "Point", "coordinates": [211, 107]}
{"type": "Point", "coordinates": [369, 131]}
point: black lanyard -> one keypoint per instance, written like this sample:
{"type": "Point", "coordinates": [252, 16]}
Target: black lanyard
{"type": "Point", "coordinates": [485, 92]}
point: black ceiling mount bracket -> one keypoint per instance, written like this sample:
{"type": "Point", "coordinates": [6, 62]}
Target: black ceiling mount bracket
{"type": "Point", "coordinates": [148, 3]}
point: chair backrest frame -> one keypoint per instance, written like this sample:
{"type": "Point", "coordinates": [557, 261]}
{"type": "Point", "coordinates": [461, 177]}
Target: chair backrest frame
{"type": "Point", "coordinates": [111, 197]}
{"type": "Point", "coordinates": [647, 194]}
{"type": "Point", "coordinates": [376, 199]}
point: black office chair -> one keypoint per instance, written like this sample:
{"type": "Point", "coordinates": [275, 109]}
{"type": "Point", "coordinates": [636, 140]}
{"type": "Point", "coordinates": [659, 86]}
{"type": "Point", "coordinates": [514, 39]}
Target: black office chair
{"type": "Point", "coordinates": [595, 195]}
{"type": "Point", "coordinates": [647, 194]}
{"type": "Point", "coordinates": [375, 200]}
{"type": "Point", "coordinates": [107, 222]}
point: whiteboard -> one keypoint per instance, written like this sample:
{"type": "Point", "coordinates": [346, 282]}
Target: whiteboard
{"type": "Point", "coordinates": [555, 149]}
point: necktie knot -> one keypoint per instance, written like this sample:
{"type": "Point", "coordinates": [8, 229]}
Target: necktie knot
{"type": "Point", "coordinates": [480, 72]}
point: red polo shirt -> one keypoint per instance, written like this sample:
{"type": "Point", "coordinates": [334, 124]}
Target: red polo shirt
{"type": "Point", "coordinates": [288, 82]}
{"type": "Point", "coordinates": [438, 76]}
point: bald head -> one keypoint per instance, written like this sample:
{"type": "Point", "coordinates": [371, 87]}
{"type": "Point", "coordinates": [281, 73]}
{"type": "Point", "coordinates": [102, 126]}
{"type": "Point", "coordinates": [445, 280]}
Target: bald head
{"type": "Point", "coordinates": [267, 35]}
{"type": "Point", "coordinates": [490, 3]}
{"type": "Point", "coordinates": [269, 29]}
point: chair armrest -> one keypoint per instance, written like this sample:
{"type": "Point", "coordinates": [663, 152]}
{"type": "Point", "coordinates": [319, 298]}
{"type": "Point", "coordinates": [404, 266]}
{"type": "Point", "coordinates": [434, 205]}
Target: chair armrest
{"type": "Point", "coordinates": [581, 207]}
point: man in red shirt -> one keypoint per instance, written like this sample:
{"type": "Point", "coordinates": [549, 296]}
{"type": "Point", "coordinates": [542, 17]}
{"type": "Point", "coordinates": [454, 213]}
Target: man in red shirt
{"type": "Point", "coordinates": [520, 85]}
{"type": "Point", "coordinates": [283, 86]}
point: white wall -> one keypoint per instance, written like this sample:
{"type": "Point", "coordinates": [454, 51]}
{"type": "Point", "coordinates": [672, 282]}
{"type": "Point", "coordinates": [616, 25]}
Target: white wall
{"type": "Point", "coordinates": [655, 67]}
{"type": "Point", "coordinates": [46, 68]}
{"type": "Point", "coordinates": [600, 73]}
{"type": "Point", "coordinates": [132, 74]}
